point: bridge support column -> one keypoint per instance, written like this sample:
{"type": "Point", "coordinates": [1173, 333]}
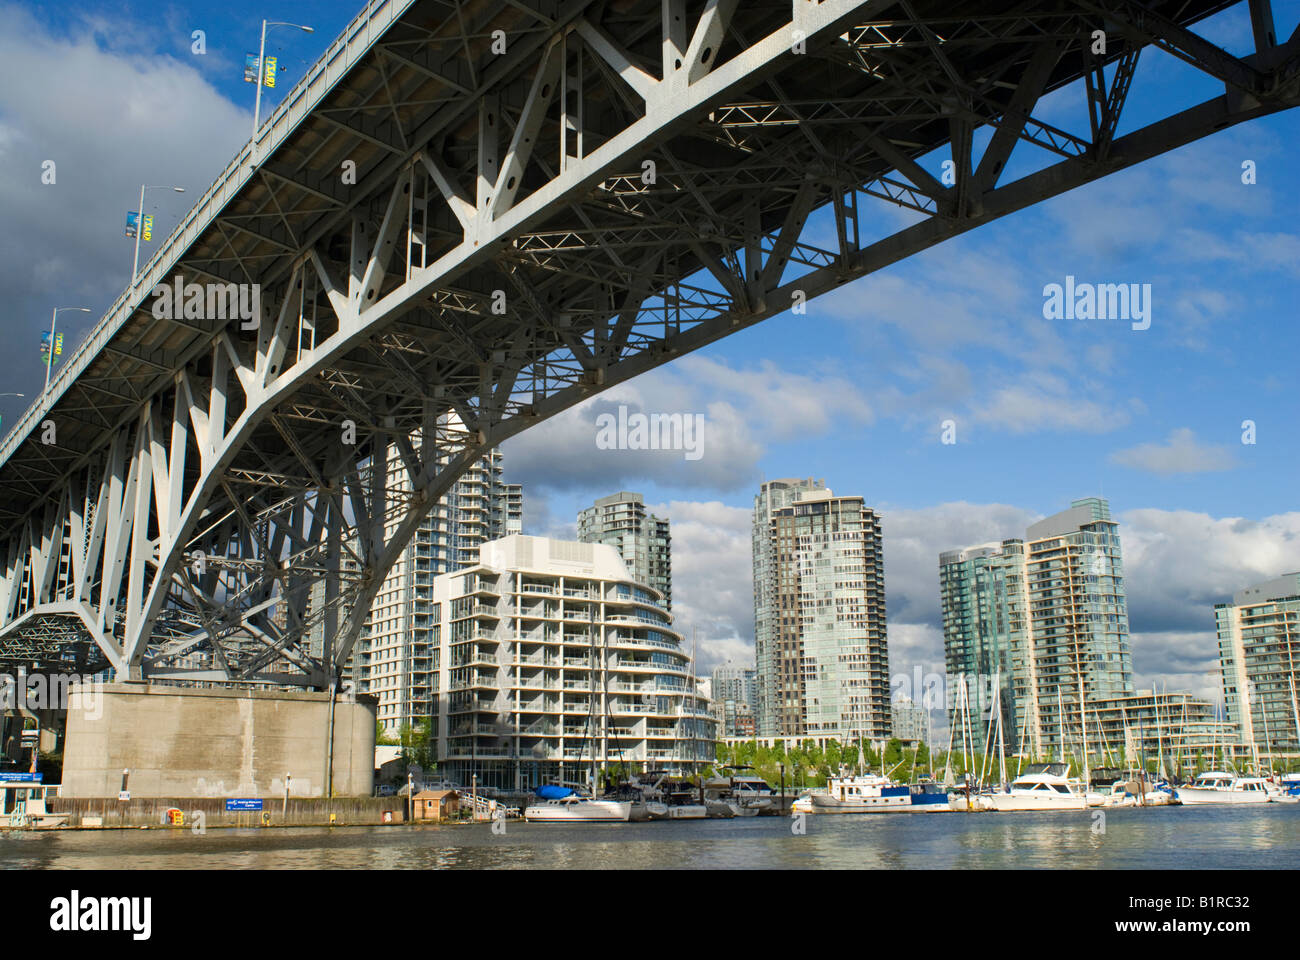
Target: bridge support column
{"type": "Point", "coordinates": [188, 742]}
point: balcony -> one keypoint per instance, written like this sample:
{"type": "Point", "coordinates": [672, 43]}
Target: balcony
{"type": "Point", "coordinates": [483, 752]}
{"type": "Point", "coordinates": [540, 705]}
{"type": "Point", "coordinates": [535, 661]}
{"type": "Point", "coordinates": [535, 683]}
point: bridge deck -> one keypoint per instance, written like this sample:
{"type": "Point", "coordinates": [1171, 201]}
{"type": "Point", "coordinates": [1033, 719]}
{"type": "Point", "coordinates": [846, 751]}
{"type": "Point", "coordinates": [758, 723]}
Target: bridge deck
{"type": "Point", "coordinates": [394, 79]}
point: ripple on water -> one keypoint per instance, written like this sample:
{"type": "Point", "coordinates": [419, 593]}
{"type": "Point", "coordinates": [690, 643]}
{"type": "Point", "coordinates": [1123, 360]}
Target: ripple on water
{"type": "Point", "coordinates": [1160, 838]}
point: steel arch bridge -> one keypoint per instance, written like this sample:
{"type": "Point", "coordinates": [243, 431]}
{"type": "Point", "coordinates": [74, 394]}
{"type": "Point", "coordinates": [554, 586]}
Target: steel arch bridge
{"type": "Point", "coordinates": [472, 215]}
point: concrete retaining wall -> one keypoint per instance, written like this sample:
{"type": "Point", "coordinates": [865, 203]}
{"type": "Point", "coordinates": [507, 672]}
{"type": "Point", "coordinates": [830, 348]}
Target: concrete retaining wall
{"type": "Point", "coordinates": [186, 742]}
{"type": "Point", "coordinates": [111, 812]}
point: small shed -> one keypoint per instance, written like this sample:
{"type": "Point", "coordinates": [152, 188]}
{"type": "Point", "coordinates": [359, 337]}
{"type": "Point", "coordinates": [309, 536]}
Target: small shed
{"type": "Point", "coordinates": [436, 805]}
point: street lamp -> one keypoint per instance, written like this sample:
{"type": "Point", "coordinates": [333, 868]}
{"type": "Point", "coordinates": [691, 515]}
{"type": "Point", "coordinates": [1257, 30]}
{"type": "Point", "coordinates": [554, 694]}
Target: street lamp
{"type": "Point", "coordinates": [139, 227]}
{"type": "Point", "coordinates": [49, 358]}
{"type": "Point", "coordinates": [261, 65]}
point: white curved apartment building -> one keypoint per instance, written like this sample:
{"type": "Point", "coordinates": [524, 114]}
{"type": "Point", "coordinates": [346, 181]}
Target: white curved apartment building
{"type": "Point", "coordinates": [548, 650]}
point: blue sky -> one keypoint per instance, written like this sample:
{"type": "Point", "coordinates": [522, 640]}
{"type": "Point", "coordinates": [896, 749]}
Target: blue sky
{"type": "Point", "coordinates": [855, 390]}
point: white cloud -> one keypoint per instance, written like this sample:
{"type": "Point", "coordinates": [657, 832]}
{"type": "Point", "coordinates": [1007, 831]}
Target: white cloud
{"type": "Point", "coordinates": [744, 409]}
{"type": "Point", "coordinates": [1181, 453]}
{"type": "Point", "coordinates": [1043, 401]}
{"type": "Point", "coordinates": [713, 596]}
{"type": "Point", "coordinates": [1179, 563]}
{"type": "Point", "coordinates": [1177, 660]}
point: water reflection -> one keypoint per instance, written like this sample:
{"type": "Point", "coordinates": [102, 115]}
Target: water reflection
{"type": "Point", "coordinates": [1161, 838]}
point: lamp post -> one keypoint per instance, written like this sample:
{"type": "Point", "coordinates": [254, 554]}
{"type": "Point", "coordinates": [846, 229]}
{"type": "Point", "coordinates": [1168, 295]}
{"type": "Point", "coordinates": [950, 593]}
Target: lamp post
{"type": "Point", "coordinates": [261, 65]}
{"type": "Point", "coordinates": [49, 359]}
{"type": "Point", "coordinates": [139, 227]}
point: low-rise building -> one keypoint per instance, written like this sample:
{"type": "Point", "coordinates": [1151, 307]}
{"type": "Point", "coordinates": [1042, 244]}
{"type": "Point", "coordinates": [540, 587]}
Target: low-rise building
{"type": "Point", "coordinates": [1147, 725]}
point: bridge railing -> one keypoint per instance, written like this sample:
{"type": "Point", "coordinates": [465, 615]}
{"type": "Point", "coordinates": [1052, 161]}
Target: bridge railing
{"type": "Point", "coordinates": [353, 43]}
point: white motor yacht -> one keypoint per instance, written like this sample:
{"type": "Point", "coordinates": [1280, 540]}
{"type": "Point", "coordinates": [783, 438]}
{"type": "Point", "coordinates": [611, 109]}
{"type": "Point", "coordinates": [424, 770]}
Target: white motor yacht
{"type": "Point", "coordinates": [579, 810]}
{"type": "Point", "coordinates": [1045, 786]}
{"type": "Point", "coordinates": [1219, 787]}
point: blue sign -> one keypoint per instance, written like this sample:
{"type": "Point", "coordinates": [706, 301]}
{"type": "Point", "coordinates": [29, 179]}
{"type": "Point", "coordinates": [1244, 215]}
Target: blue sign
{"type": "Point", "coordinates": [243, 804]}
{"type": "Point", "coordinates": [132, 224]}
{"type": "Point", "coordinates": [19, 776]}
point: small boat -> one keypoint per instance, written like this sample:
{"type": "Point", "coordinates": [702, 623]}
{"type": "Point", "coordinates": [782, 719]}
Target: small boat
{"type": "Point", "coordinates": [646, 799]}
{"type": "Point", "coordinates": [684, 799]}
{"type": "Point", "coordinates": [687, 811]}
{"type": "Point", "coordinates": [718, 809]}
{"type": "Point", "coordinates": [804, 803]}
{"type": "Point", "coordinates": [744, 794]}
{"type": "Point", "coordinates": [1216, 786]}
{"type": "Point", "coordinates": [575, 809]}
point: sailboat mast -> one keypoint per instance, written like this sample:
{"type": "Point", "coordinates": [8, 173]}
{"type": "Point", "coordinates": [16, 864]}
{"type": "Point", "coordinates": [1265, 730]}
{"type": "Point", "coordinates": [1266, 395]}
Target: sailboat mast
{"type": "Point", "coordinates": [1060, 722]}
{"type": "Point", "coordinates": [965, 729]}
{"type": "Point", "coordinates": [1002, 748]}
{"type": "Point", "coordinates": [1295, 711]}
{"type": "Point", "coordinates": [1083, 725]}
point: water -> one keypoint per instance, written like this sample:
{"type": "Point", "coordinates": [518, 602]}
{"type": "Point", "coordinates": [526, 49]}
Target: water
{"type": "Point", "coordinates": [1152, 838]}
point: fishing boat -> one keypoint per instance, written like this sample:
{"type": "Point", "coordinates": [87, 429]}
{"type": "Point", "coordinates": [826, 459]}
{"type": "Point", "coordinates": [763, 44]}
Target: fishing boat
{"type": "Point", "coordinates": [576, 809]}
{"type": "Point", "coordinates": [1046, 786]}
{"type": "Point", "coordinates": [861, 793]}
{"type": "Point", "coordinates": [929, 797]}
{"type": "Point", "coordinates": [1219, 787]}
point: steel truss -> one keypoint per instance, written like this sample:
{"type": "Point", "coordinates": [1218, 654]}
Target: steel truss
{"type": "Point", "coordinates": [629, 181]}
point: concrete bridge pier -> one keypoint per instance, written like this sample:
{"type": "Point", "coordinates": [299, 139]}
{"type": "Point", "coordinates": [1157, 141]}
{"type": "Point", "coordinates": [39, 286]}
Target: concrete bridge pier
{"type": "Point", "coordinates": [192, 742]}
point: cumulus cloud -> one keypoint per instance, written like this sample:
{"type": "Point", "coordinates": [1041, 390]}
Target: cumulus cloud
{"type": "Point", "coordinates": [743, 410]}
{"type": "Point", "coordinates": [1181, 453]}
{"type": "Point", "coordinates": [1044, 401]}
{"type": "Point", "coordinates": [1178, 564]}
{"type": "Point", "coordinates": [713, 597]}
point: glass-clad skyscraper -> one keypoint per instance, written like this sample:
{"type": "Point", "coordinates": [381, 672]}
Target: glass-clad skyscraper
{"type": "Point", "coordinates": [1259, 656]}
{"type": "Point", "coordinates": [819, 605]}
{"type": "Point", "coordinates": [1047, 617]}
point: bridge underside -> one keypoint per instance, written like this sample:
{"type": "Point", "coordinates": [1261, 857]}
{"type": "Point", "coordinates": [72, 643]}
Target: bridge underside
{"type": "Point", "coordinates": [493, 214]}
